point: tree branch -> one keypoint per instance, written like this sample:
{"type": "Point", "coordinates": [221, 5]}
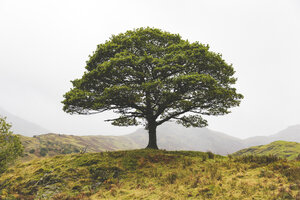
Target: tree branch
{"type": "Point", "coordinates": [172, 116]}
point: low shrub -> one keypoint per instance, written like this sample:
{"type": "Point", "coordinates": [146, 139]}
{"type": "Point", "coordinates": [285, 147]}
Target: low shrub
{"type": "Point", "coordinates": [264, 159]}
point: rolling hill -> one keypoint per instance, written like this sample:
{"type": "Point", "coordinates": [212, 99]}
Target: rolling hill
{"type": "Point", "coordinates": [151, 174]}
{"type": "Point", "coordinates": [170, 136]}
{"type": "Point", "coordinates": [55, 144]}
{"type": "Point", "coordinates": [289, 150]}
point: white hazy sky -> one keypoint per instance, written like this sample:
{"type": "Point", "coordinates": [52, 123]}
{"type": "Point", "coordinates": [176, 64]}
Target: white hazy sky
{"type": "Point", "coordinates": [44, 44]}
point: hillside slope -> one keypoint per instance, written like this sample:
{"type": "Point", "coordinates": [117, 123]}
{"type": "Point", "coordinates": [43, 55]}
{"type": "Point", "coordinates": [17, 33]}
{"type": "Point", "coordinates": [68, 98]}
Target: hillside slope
{"type": "Point", "coordinates": [145, 174]}
{"type": "Point", "coordinates": [55, 144]}
{"type": "Point", "coordinates": [22, 126]}
{"type": "Point", "coordinates": [170, 136]}
{"type": "Point", "coordinates": [289, 150]}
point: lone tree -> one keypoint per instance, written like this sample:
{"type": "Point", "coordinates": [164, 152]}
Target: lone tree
{"type": "Point", "coordinates": [10, 145]}
{"type": "Point", "coordinates": [149, 76]}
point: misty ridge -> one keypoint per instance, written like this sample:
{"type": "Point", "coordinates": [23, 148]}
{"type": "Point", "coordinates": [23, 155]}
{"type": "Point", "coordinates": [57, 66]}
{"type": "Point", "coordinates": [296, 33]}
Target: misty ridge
{"type": "Point", "coordinates": [171, 136]}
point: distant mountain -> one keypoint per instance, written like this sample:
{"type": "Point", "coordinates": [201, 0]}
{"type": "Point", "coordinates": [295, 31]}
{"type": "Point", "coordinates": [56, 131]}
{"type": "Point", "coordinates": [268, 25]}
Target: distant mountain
{"type": "Point", "coordinates": [172, 136]}
{"type": "Point", "coordinates": [289, 150]}
{"type": "Point", "coordinates": [22, 126]}
{"type": "Point", "coordinates": [257, 140]}
{"type": "Point", "coordinates": [291, 134]}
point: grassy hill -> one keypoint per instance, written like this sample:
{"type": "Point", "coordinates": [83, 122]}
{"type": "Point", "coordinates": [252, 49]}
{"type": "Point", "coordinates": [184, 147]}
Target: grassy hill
{"type": "Point", "coordinates": [55, 144]}
{"type": "Point", "coordinates": [170, 136]}
{"type": "Point", "coordinates": [288, 150]}
{"type": "Point", "coordinates": [150, 174]}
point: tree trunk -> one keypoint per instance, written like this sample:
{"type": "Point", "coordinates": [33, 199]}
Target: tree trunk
{"type": "Point", "coordinates": [152, 144]}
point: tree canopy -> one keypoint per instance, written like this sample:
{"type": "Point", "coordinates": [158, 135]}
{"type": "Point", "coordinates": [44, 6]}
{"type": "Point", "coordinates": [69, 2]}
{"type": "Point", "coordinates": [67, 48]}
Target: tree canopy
{"type": "Point", "coordinates": [10, 145]}
{"type": "Point", "coordinates": [149, 76]}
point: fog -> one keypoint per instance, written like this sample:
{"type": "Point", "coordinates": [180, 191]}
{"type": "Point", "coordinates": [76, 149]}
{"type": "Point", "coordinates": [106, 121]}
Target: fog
{"type": "Point", "coordinates": [45, 44]}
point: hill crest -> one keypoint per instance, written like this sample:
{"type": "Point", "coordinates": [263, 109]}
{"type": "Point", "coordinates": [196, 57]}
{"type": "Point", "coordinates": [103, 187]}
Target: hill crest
{"type": "Point", "coordinates": [284, 149]}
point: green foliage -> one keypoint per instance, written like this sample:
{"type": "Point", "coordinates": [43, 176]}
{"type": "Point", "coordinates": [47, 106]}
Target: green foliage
{"type": "Point", "coordinates": [10, 145]}
{"type": "Point", "coordinates": [43, 151]}
{"type": "Point", "coordinates": [149, 76]}
{"type": "Point", "coordinates": [32, 151]}
{"type": "Point", "coordinates": [210, 155]}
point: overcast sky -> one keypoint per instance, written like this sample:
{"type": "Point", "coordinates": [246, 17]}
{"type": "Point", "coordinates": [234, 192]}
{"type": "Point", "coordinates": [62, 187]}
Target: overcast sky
{"type": "Point", "coordinates": [45, 43]}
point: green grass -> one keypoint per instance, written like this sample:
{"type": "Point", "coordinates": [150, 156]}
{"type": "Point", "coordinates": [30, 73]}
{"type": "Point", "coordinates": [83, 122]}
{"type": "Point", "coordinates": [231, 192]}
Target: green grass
{"type": "Point", "coordinates": [283, 149]}
{"type": "Point", "coordinates": [151, 174]}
